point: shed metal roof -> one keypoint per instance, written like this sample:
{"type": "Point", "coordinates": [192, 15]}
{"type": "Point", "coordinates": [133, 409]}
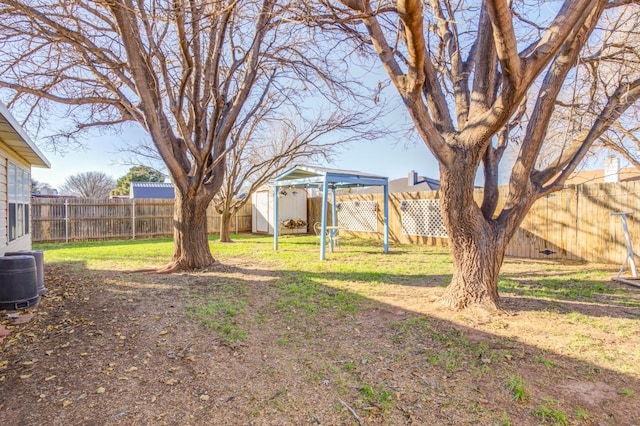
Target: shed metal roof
{"type": "Point", "coordinates": [151, 190]}
{"type": "Point", "coordinates": [14, 136]}
{"type": "Point", "coordinates": [306, 176]}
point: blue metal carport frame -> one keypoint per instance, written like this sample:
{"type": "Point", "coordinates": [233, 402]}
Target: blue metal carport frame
{"type": "Point", "coordinates": [325, 179]}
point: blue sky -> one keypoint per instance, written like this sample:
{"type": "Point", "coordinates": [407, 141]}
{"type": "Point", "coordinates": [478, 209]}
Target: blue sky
{"type": "Point", "coordinates": [384, 157]}
{"type": "Point", "coordinates": [392, 156]}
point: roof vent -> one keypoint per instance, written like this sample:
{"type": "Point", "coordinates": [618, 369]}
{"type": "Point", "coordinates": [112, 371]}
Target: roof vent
{"type": "Point", "coordinates": [413, 178]}
{"type": "Point", "coordinates": [611, 169]}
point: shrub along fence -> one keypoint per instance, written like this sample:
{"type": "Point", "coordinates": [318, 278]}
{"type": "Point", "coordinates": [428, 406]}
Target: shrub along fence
{"type": "Point", "coordinates": [75, 219]}
{"type": "Point", "coordinates": [575, 223]}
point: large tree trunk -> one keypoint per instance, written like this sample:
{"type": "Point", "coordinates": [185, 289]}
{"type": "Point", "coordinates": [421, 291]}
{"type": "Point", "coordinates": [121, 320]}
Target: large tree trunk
{"type": "Point", "coordinates": [191, 245]}
{"type": "Point", "coordinates": [477, 258]}
{"type": "Point", "coordinates": [225, 225]}
{"type": "Point", "coordinates": [477, 244]}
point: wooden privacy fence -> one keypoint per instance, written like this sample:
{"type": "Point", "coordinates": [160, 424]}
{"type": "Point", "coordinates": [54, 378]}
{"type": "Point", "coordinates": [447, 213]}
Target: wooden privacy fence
{"type": "Point", "coordinates": [55, 219]}
{"type": "Point", "coordinates": [575, 223]}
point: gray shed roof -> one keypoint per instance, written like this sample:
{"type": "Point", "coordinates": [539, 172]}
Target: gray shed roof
{"type": "Point", "coordinates": [403, 185]}
{"type": "Point", "coordinates": [14, 136]}
{"type": "Point", "coordinates": [151, 190]}
{"type": "Point", "coordinates": [313, 177]}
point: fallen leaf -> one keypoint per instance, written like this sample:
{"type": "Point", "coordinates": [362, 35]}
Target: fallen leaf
{"type": "Point", "coordinates": [163, 332]}
{"type": "Point", "coordinates": [171, 382]}
{"type": "Point", "coordinates": [66, 403]}
{"type": "Point", "coordinates": [46, 379]}
{"type": "Point", "coordinates": [130, 369]}
{"type": "Point", "coordinates": [25, 376]}
{"type": "Point", "coordinates": [100, 390]}
{"type": "Point", "coordinates": [23, 319]}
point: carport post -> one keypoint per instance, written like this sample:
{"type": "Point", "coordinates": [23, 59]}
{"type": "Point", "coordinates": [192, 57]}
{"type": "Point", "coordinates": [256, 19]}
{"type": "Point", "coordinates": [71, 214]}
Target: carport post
{"type": "Point", "coordinates": [323, 220]}
{"type": "Point", "coordinates": [275, 217]}
{"type": "Point", "coordinates": [334, 215]}
{"type": "Point", "coordinates": [385, 218]}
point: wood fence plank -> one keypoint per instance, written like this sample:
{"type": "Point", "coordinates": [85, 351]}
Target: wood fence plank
{"type": "Point", "coordinates": [91, 219]}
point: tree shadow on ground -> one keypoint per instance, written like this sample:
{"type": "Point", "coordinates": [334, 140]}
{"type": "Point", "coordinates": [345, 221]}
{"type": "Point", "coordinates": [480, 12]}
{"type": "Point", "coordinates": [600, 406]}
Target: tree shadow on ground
{"type": "Point", "coordinates": [238, 345]}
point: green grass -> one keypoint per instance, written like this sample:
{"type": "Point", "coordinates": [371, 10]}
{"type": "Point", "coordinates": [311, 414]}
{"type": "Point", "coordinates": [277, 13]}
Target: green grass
{"type": "Point", "coordinates": [359, 262]}
{"type": "Point", "coordinates": [222, 316]}
{"type": "Point", "coordinates": [125, 254]}
{"type": "Point", "coordinates": [626, 392]}
{"type": "Point", "coordinates": [588, 285]}
{"type": "Point", "coordinates": [378, 397]}
{"type": "Point", "coordinates": [582, 414]}
{"type": "Point", "coordinates": [551, 415]}
{"type": "Point", "coordinates": [547, 363]}
{"type": "Point", "coordinates": [515, 384]}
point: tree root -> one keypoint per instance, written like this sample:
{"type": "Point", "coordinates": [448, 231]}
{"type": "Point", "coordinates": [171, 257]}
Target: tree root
{"type": "Point", "coordinates": [485, 305]}
{"type": "Point", "coordinates": [172, 267]}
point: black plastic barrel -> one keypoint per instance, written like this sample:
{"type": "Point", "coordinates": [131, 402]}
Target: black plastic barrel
{"type": "Point", "coordinates": [18, 282]}
{"type": "Point", "coordinates": [39, 257]}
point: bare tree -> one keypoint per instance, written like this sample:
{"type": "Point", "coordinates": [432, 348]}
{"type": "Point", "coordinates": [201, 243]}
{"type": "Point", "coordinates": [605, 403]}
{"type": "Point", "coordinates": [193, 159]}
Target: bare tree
{"type": "Point", "coordinates": [41, 187]}
{"type": "Point", "coordinates": [184, 70]}
{"type": "Point", "coordinates": [476, 76]}
{"type": "Point", "coordinates": [266, 147]}
{"type": "Point", "coordinates": [88, 185]}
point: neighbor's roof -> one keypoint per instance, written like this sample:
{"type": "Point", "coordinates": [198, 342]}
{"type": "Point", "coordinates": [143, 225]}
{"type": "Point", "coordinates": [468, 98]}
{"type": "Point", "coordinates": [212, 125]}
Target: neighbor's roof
{"type": "Point", "coordinates": [14, 136]}
{"type": "Point", "coordinates": [151, 190]}
{"type": "Point", "coordinates": [306, 176]}
{"type": "Point", "coordinates": [402, 185]}
{"type": "Point", "coordinates": [627, 174]}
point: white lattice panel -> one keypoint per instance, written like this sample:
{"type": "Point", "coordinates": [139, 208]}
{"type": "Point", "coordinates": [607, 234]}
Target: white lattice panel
{"type": "Point", "coordinates": [422, 218]}
{"type": "Point", "coordinates": [359, 216]}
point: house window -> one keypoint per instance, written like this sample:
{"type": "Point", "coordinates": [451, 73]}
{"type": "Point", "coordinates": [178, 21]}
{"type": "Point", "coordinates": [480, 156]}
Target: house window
{"type": "Point", "coordinates": [18, 193]}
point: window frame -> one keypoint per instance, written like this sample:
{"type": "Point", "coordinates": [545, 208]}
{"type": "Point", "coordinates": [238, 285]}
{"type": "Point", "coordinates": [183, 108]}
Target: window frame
{"type": "Point", "coordinates": [18, 201]}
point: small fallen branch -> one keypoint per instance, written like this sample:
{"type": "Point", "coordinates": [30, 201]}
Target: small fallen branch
{"type": "Point", "coordinates": [352, 411]}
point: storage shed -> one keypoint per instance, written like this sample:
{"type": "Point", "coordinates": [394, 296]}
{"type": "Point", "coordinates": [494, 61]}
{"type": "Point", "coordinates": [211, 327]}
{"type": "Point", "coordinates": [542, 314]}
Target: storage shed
{"type": "Point", "coordinates": [292, 210]}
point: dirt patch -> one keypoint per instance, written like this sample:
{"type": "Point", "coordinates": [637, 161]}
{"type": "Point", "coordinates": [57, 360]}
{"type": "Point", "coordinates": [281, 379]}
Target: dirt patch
{"type": "Point", "coordinates": [111, 348]}
{"type": "Point", "coordinates": [592, 394]}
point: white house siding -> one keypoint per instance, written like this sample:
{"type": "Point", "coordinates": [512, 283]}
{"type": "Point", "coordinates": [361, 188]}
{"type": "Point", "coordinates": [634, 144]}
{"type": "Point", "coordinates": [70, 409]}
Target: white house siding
{"type": "Point", "coordinates": [3, 201]}
{"type": "Point", "coordinates": [24, 242]}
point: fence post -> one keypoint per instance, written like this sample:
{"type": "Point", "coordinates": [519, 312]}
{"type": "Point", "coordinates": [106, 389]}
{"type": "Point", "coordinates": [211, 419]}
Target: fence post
{"type": "Point", "coordinates": [236, 216]}
{"type": "Point", "coordinates": [66, 221]}
{"type": "Point", "coordinates": [133, 218]}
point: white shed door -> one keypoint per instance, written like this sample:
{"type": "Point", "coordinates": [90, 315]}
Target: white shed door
{"type": "Point", "coordinates": [262, 211]}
